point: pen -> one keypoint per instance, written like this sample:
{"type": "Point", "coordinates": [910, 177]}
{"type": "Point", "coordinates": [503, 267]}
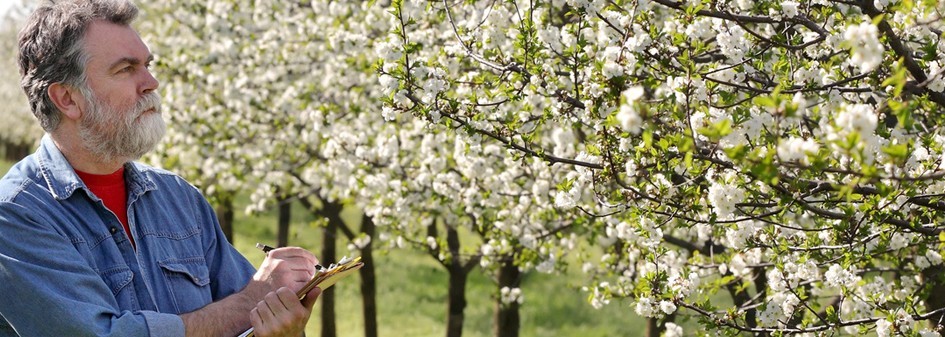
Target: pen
{"type": "Point", "coordinates": [267, 248]}
{"type": "Point", "coordinates": [264, 248]}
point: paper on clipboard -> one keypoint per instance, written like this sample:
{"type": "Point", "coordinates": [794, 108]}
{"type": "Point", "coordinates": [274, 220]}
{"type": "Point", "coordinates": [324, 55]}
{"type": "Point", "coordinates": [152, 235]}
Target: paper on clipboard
{"type": "Point", "coordinates": [324, 278]}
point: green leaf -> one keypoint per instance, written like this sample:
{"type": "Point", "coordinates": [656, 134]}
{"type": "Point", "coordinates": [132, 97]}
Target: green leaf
{"type": "Point", "coordinates": [884, 190]}
{"type": "Point", "coordinates": [737, 152]}
{"type": "Point", "coordinates": [765, 101]}
{"type": "Point", "coordinates": [832, 316]}
{"type": "Point", "coordinates": [647, 138]}
{"type": "Point", "coordinates": [898, 151]}
{"type": "Point", "coordinates": [716, 131]}
{"type": "Point", "coordinates": [766, 170]}
{"type": "Point", "coordinates": [898, 79]}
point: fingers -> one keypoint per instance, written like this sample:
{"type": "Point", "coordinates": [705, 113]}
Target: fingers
{"type": "Point", "coordinates": [262, 317]}
{"type": "Point", "coordinates": [309, 301]}
{"type": "Point", "coordinates": [278, 305]}
{"type": "Point", "coordinates": [280, 312]}
{"type": "Point", "coordinates": [255, 319]}
{"type": "Point", "coordinates": [290, 303]}
{"type": "Point", "coordinates": [288, 267]}
{"type": "Point", "coordinates": [297, 254]}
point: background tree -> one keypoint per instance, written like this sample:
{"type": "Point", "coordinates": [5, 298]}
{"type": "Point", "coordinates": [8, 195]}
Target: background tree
{"type": "Point", "coordinates": [255, 69]}
{"type": "Point", "coordinates": [281, 101]}
{"type": "Point", "coordinates": [19, 132]}
{"type": "Point", "coordinates": [786, 154]}
{"type": "Point", "coordinates": [302, 82]}
{"type": "Point", "coordinates": [467, 206]}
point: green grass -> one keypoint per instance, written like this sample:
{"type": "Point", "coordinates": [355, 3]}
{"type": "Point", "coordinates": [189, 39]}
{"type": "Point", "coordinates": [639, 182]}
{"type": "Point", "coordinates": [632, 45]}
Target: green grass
{"type": "Point", "coordinates": [4, 167]}
{"type": "Point", "coordinates": [412, 293]}
{"type": "Point", "coordinates": [412, 289]}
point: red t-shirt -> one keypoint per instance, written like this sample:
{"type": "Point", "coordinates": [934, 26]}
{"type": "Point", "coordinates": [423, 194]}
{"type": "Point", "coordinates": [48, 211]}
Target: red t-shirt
{"type": "Point", "coordinates": [111, 189]}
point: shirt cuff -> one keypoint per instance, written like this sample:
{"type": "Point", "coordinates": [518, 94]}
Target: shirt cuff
{"type": "Point", "coordinates": [163, 325]}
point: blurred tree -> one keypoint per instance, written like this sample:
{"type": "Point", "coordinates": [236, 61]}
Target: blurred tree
{"type": "Point", "coordinates": [19, 132]}
{"type": "Point", "coordinates": [786, 154]}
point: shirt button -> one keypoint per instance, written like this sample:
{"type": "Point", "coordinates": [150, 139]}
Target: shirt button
{"type": "Point", "coordinates": [114, 230]}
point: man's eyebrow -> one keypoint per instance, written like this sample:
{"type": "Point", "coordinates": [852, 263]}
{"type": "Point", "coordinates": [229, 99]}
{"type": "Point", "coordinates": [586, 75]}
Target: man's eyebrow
{"type": "Point", "coordinates": [131, 61]}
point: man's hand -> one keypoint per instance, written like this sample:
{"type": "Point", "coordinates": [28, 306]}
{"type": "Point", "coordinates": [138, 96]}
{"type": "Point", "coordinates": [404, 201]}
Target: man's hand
{"type": "Point", "coordinates": [269, 300]}
{"type": "Point", "coordinates": [282, 314]}
{"type": "Point", "coordinates": [289, 267]}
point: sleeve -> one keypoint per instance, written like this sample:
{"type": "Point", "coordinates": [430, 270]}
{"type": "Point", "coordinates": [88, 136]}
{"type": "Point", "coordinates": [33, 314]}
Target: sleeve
{"type": "Point", "coordinates": [230, 272]}
{"type": "Point", "coordinates": [49, 290]}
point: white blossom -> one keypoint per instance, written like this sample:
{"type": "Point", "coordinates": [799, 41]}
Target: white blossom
{"type": "Point", "coordinates": [936, 77]}
{"type": "Point", "coordinates": [797, 149]}
{"type": "Point", "coordinates": [789, 8]}
{"type": "Point", "coordinates": [865, 46]}
{"type": "Point", "coordinates": [646, 307]}
{"type": "Point", "coordinates": [723, 197]}
{"type": "Point", "coordinates": [929, 333]}
{"type": "Point", "coordinates": [628, 115]}
{"type": "Point", "coordinates": [667, 307]}
{"type": "Point", "coordinates": [511, 295]}
{"type": "Point", "coordinates": [837, 276]}
{"type": "Point", "coordinates": [904, 320]}
{"type": "Point", "coordinates": [883, 327]}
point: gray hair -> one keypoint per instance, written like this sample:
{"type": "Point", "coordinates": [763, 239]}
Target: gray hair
{"type": "Point", "coordinates": [51, 48]}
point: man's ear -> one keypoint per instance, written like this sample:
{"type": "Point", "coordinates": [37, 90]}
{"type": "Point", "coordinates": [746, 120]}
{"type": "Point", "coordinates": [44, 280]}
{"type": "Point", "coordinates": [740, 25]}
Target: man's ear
{"type": "Point", "coordinates": [66, 99]}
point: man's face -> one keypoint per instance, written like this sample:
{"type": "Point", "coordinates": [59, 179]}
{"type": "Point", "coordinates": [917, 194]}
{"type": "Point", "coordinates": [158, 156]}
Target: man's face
{"type": "Point", "coordinates": [113, 133]}
{"type": "Point", "coordinates": [121, 118]}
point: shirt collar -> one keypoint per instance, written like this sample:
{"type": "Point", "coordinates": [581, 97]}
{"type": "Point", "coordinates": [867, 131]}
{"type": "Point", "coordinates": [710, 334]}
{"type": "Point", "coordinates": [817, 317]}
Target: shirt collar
{"type": "Point", "coordinates": [63, 181]}
{"type": "Point", "coordinates": [138, 182]}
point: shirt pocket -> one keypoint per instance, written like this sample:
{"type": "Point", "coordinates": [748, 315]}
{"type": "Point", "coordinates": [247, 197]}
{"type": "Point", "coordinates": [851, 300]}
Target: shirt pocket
{"type": "Point", "coordinates": [118, 280]}
{"type": "Point", "coordinates": [188, 280]}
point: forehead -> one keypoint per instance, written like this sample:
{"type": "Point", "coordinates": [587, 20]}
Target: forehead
{"type": "Point", "coordinates": [106, 43]}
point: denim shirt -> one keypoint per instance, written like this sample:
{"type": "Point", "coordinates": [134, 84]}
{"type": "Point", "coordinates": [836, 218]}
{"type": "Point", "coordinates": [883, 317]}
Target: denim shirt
{"type": "Point", "coordinates": [67, 267]}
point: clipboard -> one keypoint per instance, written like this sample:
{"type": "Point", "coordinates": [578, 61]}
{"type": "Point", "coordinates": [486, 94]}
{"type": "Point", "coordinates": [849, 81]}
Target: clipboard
{"type": "Point", "coordinates": [324, 278]}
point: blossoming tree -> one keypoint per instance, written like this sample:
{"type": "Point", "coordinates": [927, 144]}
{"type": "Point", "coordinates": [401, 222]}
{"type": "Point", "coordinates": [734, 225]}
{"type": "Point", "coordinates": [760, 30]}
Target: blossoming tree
{"type": "Point", "coordinates": [435, 185]}
{"type": "Point", "coordinates": [298, 82]}
{"type": "Point", "coordinates": [787, 155]}
{"type": "Point", "coordinates": [259, 120]}
{"type": "Point", "coordinates": [19, 132]}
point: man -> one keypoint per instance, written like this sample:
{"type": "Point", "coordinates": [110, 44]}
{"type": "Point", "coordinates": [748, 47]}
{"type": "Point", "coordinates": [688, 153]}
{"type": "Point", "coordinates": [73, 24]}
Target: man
{"type": "Point", "coordinates": [93, 244]}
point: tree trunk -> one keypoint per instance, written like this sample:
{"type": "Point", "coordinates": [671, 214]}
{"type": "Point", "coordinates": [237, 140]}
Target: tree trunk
{"type": "Point", "coordinates": [368, 279]}
{"type": "Point", "coordinates": [329, 328]}
{"type": "Point", "coordinates": [507, 319]}
{"type": "Point", "coordinates": [656, 327]}
{"type": "Point", "coordinates": [332, 211]}
{"type": "Point", "coordinates": [22, 151]}
{"type": "Point", "coordinates": [14, 152]}
{"type": "Point", "coordinates": [741, 297]}
{"type": "Point", "coordinates": [458, 274]}
{"type": "Point", "coordinates": [457, 301]}
{"type": "Point", "coordinates": [935, 278]}
{"type": "Point", "coordinates": [285, 216]}
{"type": "Point", "coordinates": [653, 328]}
{"type": "Point", "coordinates": [224, 212]}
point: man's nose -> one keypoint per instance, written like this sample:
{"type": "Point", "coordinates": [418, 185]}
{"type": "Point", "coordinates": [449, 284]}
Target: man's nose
{"type": "Point", "coordinates": [148, 83]}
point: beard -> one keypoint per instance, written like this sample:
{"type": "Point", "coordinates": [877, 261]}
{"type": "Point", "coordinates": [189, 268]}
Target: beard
{"type": "Point", "coordinates": [112, 134]}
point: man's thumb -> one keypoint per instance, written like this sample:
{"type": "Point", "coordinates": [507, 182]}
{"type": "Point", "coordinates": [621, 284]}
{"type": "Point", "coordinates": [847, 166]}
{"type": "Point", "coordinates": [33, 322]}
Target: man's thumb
{"type": "Point", "coordinates": [309, 300]}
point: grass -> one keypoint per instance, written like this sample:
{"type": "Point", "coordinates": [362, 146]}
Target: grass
{"type": "Point", "coordinates": [4, 167]}
{"type": "Point", "coordinates": [412, 289]}
{"type": "Point", "coordinates": [412, 293]}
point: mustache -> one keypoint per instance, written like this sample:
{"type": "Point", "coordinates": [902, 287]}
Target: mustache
{"type": "Point", "coordinates": [149, 101]}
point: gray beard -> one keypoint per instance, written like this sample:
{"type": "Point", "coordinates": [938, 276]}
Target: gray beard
{"type": "Point", "coordinates": [113, 135]}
